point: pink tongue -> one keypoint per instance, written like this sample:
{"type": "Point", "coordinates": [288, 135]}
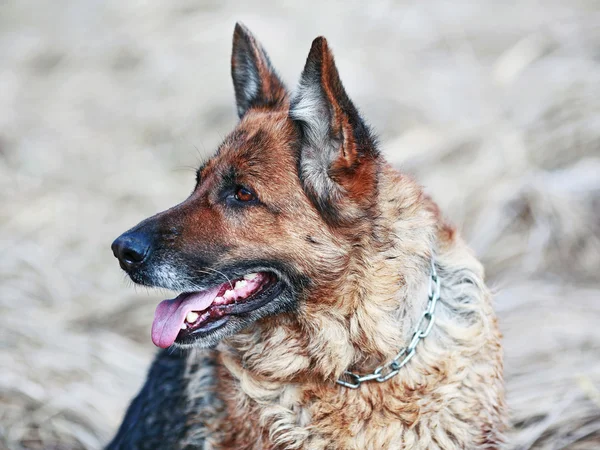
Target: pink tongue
{"type": "Point", "coordinates": [170, 314]}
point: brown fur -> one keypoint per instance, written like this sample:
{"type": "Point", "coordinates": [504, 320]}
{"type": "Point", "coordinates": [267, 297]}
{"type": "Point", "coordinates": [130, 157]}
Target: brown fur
{"type": "Point", "coordinates": [277, 378]}
{"type": "Point", "coordinates": [366, 246]}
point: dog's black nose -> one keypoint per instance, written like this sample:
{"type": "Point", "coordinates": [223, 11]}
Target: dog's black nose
{"type": "Point", "coordinates": [131, 249]}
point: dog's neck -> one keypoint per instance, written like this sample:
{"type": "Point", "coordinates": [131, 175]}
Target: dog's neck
{"type": "Point", "coordinates": [365, 318]}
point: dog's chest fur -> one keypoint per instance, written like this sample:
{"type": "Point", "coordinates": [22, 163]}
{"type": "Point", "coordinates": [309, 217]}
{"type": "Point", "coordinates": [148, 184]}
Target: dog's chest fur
{"type": "Point", "coordinates": [436, 408]}
{"type": "Point", "coordinates": [448, 397]}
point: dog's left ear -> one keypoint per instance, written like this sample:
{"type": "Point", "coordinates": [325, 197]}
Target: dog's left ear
{"type": "Point", "coordinates": [339, 159]}
{"type": "Point", "coordinates": [255, 82]}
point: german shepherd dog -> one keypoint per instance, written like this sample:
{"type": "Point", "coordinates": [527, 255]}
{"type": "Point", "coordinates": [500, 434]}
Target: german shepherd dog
{"type": "Point", "coordinates": [324, 301]}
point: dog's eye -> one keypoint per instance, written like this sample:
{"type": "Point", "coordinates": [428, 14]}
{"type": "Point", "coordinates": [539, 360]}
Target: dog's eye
{"type": "Point", "coordinates": [244, 195]}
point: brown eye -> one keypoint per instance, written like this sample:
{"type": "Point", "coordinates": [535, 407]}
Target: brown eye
{"type": "Point", "coordinates": [244, 195]}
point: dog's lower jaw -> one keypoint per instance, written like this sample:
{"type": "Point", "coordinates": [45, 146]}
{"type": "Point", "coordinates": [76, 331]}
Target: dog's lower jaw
{"type": "Point", "coordinates": [284, 302]}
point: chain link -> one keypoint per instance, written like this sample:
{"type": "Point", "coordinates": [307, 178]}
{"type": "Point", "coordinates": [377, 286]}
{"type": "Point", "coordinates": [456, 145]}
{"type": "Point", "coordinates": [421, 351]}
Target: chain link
{"type": "Point", "coordinates": [424, 325]}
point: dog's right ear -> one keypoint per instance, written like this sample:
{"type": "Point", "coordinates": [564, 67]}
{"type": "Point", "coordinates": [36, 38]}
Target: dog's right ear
{"type": "Point", "coordinates": [254, 79]}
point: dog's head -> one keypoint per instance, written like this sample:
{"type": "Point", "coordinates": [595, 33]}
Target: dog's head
{"type": "Point", "coordinates": [274, 213]}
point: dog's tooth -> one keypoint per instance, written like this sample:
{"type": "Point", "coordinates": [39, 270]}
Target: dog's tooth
{"type": "Point", "coordinates": [183, 326]}
{"type": "Point", "coordinates": [229, 294]}
{"type": "Point", "coordinates": [218, 300]}
{"type": "Point", "coordinates": [191, 316]}
{"type": "Point", "coordinates": [240, 284]}
{"type": "Point", "coordinates": [250, 276]}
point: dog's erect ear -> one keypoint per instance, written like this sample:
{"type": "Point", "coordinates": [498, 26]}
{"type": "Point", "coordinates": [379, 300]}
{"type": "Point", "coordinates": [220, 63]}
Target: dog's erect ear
{"type": "Point", "coordinates": [338, 159]}
{"type": "Point", "coordinates": [254, 80]}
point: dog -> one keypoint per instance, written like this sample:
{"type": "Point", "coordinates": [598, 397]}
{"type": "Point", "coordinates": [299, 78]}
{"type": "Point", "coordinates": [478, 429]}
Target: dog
{"type": "Point", "coordinates": [325, 301]}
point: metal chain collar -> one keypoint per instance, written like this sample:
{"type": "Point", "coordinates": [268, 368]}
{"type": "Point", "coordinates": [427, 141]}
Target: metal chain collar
{"type": "Point", "coordinates": [424, 325]}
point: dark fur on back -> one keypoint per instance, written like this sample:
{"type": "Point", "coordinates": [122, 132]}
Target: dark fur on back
{"type": "Point", "coordinates": [164, 415]}
{"type": "Point", "coordinates": [156, 417]}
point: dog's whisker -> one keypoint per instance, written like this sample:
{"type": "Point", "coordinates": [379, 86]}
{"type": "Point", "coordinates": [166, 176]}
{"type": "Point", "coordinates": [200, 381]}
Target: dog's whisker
{"type": "Point", "coordinates": [222, 274]}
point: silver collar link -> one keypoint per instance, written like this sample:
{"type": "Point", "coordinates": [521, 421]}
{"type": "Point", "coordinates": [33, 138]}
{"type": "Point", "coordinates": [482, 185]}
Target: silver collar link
{"type": "Point", "coordinates": [383, 373]}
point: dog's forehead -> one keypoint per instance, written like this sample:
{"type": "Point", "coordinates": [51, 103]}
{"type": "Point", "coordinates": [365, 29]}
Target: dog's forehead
{"type": "Point", "coordinates": [260, 141]}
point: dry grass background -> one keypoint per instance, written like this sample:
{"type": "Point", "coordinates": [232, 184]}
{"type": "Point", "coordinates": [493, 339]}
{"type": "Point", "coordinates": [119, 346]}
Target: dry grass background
{"type": "Point", "coordinates": [106, 105]}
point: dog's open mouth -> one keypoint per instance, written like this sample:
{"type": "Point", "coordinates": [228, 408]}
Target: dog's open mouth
{"type": "Point", "coordinates": [192, 313]}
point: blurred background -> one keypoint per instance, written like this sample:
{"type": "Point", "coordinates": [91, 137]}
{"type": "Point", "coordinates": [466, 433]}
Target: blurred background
{"type": "Point", "coordinates": [106, 108]}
